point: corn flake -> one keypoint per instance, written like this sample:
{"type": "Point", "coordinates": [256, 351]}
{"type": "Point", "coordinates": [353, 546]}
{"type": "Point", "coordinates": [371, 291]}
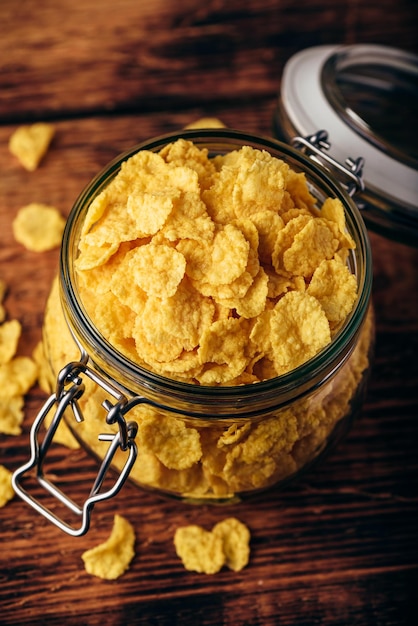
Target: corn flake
{"type": "Point", "coordinates": [268, 225]}
{"type": "Point", "coordinates": [167, 327]}
{"type": "Point", "coordinates": [17, 376]}
{"type": "Point", "coordinates": [6, 489]}
{"type": "Point", "coordinates": [235, 542]}
{"type": "Point", "coordinates": [333, 210]}
{"type": "Point", "coordinates": [298, 191]}
{"type": "Point", "coordinates": [184, 152]}
{"type": "Point", "coordinates": [264, 453]}
{"type": "Point", "coordinates": [200, 550]}
{"type": "Point", "coordinates": [285, 239]}
{"type": "Point", "coordinates": [229, 256]}
{"type": "Point", "coordinates": [299, 329]}
{"type": "Point", "coordinates": [30, 143]}
{"type": "Point", "coordinates": [3, 289]}
{"type": "Point", "coordinates": [208, 551]}
{"type": "Point", "coordinates": [335, 288]}
{"type": "Point", "coordinates": [223, 348]}
{"type": "Point", "coordinates": [157, 269]}
{"type": "Point", "coordinates": [173, 443]}
{"type": "Point", "coordinates": [38, 227]}
{"type": "Point", "coordinates": [259, 180]}
{"type": "Point", "coordinates": [9, 337]}
{"type": "Point", "coordinates": [11, 415]}
{"type": "Point", "coordinates": [254, 301]}
{"type": "Point", "coordinates": [315, 242]}
{"type": "Point", "coordinates": [206, 122]}
{"type": "Point", "coordinates": [112, 558]}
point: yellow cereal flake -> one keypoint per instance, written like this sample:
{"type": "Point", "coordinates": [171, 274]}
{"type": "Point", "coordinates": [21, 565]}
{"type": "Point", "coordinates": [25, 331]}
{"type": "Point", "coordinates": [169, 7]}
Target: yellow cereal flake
{"type": "Point", "coordinates": [315, 242]}
{"type": "Point", "coordinates": [6, 489]}
{"type": "Point", "coordinates": [333, 210]}
{"type": "Point", "coordinates": [157, 269]}
{"type": "Point", "coordinates": [335, 288]}
{"type": "Point", "coordinates": [9, 337]}
{"type": "Point", "coordinates": [47, 382]}
{"type": "Point", "coordinates": [17, 376]}
{"type": "Point", "coordinates": [200, 550]}
{"type": "Point", "coordinates": [285, 239]}
{"type": "Point", "coordinates": [268, 224]}
{"type": "Point", "coordinates": [183, 153]}
{"type": "Point", "coordinates": [208, 551]}
{"type": "Point", "coordinates": [253, 302]}
{"type": "Point", "coordinates": [259, 181]}
{"type": "Point", "coordinates": [3, 289]}
{"type": "Point", "coordinates": [263, 455]}
{"type": "Point", "coordinates": [226, 267]}
{"type": "Point", "coordinates": [235, 541]}
{"type": "Point", "coordinates": [176, 445]}
{"type": "Point", "coordinates": [112, 558]}
{"type": "Point", "coordinates": [206, 122]}
{"type": "Point", "coordinates": [223, 348]}
{"type": "Point", "coordinates": [46, 379]}
{"type": "Point", "coordinates": [234, 434]}
{"type": "Point", "coordinates": [38, 227]}
{"type": "Point", "coordinates": [298, 190]}
{"type": "Point", "coordinates": [29, 144]}
{"type": "Point", "coordinates": [181, 319]}
{"type": "Point", "coordinates": [11, 415]}
{"type": "Point", "coordinates": [299, 329]}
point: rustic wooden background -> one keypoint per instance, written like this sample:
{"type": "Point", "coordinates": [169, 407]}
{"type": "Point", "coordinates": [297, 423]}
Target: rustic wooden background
{"type": "Point", "coordinates": [340, 547]}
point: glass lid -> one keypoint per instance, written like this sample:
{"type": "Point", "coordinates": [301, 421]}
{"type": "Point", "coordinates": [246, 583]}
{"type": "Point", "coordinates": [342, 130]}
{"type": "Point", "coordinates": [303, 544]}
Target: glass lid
{"type": "Point", "coordinates": [366, 98]}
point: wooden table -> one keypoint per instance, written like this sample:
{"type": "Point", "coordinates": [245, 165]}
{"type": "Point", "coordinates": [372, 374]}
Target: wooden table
{"type": "Point", "coordinates": [340, 546]}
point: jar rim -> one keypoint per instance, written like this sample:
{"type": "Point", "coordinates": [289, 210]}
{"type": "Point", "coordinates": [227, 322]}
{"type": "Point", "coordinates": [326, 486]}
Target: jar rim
{"type": "Point", "coordinates": [143, 381]}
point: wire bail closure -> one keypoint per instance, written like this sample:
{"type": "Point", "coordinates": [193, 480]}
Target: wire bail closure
{"type": "Point", "coordinates": [70, 388]}
{"type": "Point", "coordinates": [315, 145]}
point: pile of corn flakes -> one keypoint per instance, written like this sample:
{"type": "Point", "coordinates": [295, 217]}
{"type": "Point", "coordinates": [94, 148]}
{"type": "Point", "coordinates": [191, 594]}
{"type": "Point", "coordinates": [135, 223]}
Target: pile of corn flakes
{"type": "Point", "coordinates": [219, 272]}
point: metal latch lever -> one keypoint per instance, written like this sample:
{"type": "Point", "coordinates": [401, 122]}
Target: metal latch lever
{"type": "Point", "coordinates": [123, 440]}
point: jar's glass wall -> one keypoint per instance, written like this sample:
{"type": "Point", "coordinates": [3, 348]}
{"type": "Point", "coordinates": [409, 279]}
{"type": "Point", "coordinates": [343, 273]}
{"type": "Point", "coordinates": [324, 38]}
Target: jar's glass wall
{"type": "Point", "coordinates": [220, 443]}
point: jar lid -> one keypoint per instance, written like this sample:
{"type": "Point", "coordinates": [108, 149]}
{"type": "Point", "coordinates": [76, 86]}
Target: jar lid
{"type": "Point", "coordinates": [366, 98]}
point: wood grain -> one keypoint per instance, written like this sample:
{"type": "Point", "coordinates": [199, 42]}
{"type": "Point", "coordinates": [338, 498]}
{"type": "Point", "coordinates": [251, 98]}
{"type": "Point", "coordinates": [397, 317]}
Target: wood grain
{"type": "Point", "coordinates": [63, 58]}
{"type": "Point", "coordinates": [340, 546]}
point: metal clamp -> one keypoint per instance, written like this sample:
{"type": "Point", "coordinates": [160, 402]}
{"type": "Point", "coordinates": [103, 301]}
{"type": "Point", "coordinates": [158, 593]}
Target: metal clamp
{"type": "Point", "coordinates": [69, 390]}
{"type": "Point", "coordinates": [317, 144]}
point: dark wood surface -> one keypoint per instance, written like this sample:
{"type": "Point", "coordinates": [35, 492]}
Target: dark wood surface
{"type": "Point", "coordinates": [340, 547]}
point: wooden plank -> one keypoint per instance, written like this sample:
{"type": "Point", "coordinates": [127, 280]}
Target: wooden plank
{"type": "Point", "coordinates": [338, 547]}
{"type": "Point", "coordinates": [62, 58]}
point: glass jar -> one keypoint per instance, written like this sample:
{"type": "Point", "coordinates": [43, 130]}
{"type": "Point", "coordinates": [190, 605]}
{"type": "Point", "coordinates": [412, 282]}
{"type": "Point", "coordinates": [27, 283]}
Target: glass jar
{"type": "Point", "coordinates": [195, 442]}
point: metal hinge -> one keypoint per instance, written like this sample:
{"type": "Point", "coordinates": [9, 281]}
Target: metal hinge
{"type": "Point", "coordinates": [317, 145]}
